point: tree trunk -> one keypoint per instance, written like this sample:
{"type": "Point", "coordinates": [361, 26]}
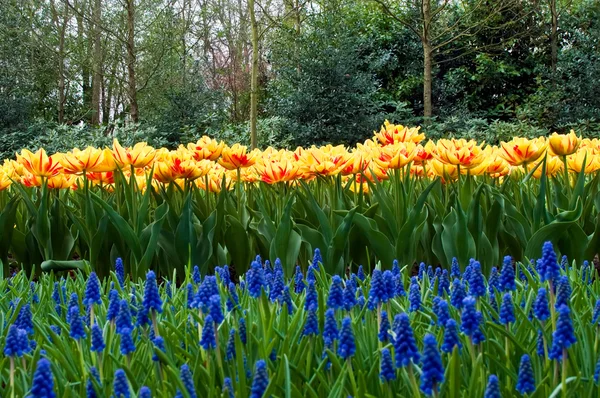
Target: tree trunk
{"type": "Point", "coordinates": [85, 71]}
{"type": "Point", "coordinates": [97, 62]}
{"type": "Point", "coordinates": [554, 35]}
{"type": "Point", "coordinates": [253, 76]}
{"type": "Point", "coordinates": [131, 84]}
{"type": "Point", "coordinates": [60, 28]}
{"type": "Point", "coordinates": [427, 60]}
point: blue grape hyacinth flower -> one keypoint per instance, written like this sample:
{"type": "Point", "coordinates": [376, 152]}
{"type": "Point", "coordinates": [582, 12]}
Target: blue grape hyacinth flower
{"type": "Point", "coordinates": [92, 291]}
{"type": "Point", "coordinates": [507, 275]}
{"type": "Point", "coordinates": [492, 389]}
{"type": "Point", "coordinates": [208, 340]}
{"type": "Point", "coordinates": [43, 381]}
{"type": "Point", "coordinates": [330, 330]}
{"type": "Point", "coordinates": [451, 338]}
{"type": "Point", "coordinates": [405, 346]}
{"type": "Point", "coordinates": [335, 299]}
{"type": "Point", "coordinates": [526, 380]}
{"type": "Point", "coordinates": [564, 335]}
{"type": "Point", "coordinates": [541, 309]}
{"type": "Point", "coordinates": [121, 385]}
{"type": "Point", "coordinates": [261, 379]}
{"type": "Point", "coordinates": [432, 368]}
{"type": "Point", "coordinates": [387, 371]}
{"type": "Point", "coordinates": [76, 324]}
{"type": "Point", "coordinates": [507, 310]}
{"type": "Point", "coordinates": [347, 344]}
{"type": "Point", "coordinates": [152, 300]}
{"type": "Point", "coordinates": [97, 339]}
{"type": "Point", "coordinates": [549, 263]}
{"type": "Point", "coordinates": [384, 328]}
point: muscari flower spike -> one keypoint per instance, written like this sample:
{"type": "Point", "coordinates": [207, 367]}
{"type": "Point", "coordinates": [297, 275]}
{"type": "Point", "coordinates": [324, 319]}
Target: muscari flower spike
{"type": "Point", "coordinates": [361, 273]}
{"type": "Point", "coordinates": [123, 320]}
{"type": "Point", "coordinates": [433, 369]}
{"type": "Point", "coordinates": [233, 301]}
{"type": "Point", "coordinates": [121, 385]}
{"type": "Point", "coordinates": [455, 269]}
{"type": "Point", "coordinates": [311, 327]}
{"type": "Point", "coordinates": [444, 284]}
{"type": "Point", "coordinates": [43, 382]}
{"type": "Point", "coordinates": [145, 392]}
{"type": "Point", "coordinates": [242, 330]}
{"type": "Point", "coordinates": [230, 350]}
{"type": "Point", "coordinates": [414, 296]}
{"type": "Point", "coordinates": [493, 388]}
{"type": "Point", "coordinates": [215, 309]}
{"type": "Point", "coordinates": [89, 386]}
{"type": "Point", "coordinates": [13, 346]}
{"type": "Point", "coordinates": [422, 271]}
{"type": "Point", "coordinates": [120, 271]}
{"type": "Point", "coordinates": [208, 340]}
{"type": "Point", "coordinates": [299, 284]}
{"type": "Point", "coordinates": [458, 294]}
{"type": "Point", "coordinates": [390, 285]}
{"type": "Point", "coordinates": [127, 345]}
{"type": "Point", "coordinates": [76, 324]}
{"type": "Point", "coordinates": [377, 292]}
{"type": "Point", "coordinates": [188, 380]}
{"type": "Point", "coordinates": [540, 344]}
{"type": "Point", "coordinates": [430, 274]}
{"type": "Point", "coordinates": [256, 279]}
{"type": "Point", "coordinates": [92, 291]}
{"type": "Point", "coordinates": [507, 275]}
{"type": "Point", "coordinates": [563, 292]}
{"type": "Point", "coordinates": [405, 347]}
{"type": "Point", "coordinates": [113, 305]}
{"type": "Point", "coordinates": [384, 328]}
{"type": "Point", "coordinates": [451, 338]}
{"type": "Point", "coordinates": [540, 305]}
{"type": "Point", "coordinates": [349, 295]}
{"type": "Point", "coordinates": [24, 320]}
{"type": "Point", "coordinates": [564, 335]}
{"type": "Point", "coordinates": [549, 263]}
{"type": "Point", "coordinates": [190, 295]}
{"type": "Point", "coordinates": [276, 289]}
{"type": "Point", "coordinates": [159, 344]}
{"type": "Point", "coordinates": [442, 312]}
{"type": "Point", "coordinates": [399, 286]}
{"type": "Point", "coordinates": [467, 274]}
{"type": "Point", "coordinates": [476, 281]}
{"type": "Point", "coordinates": [387, 372]}
{"type": "Point", "coordinates": [526, 380]}
{"type": "Point", "coordinates": [152, 300]}
{"type": "Point", "coordinates": [469, 318]}
{"type": "Point", "coordinates": [286, 299]}
{"type": "Point", "coordinates": [347, 344]}
{"type": "Point", "coordinates": [312, 299]}
{"type": "Point", "coordinates": [494, 280]}
{"type": "Point", "coordinates": [261, 379]}
{"type": "Point", "coordinates": [596, 313]}
{"type": "Point", "coordinates": [228, 388]}
{"type": "Point", "coordinates": [335, 299]}
{"type": "Point", "coordinates": [317, 258]}
{"type": "Point", "coordinates": [395, 268]}
{"type": "Point", "coordinates": [196, 277]}
{"type": "Point", "coordinates": [330, 329]}
{"type": "Point", "coordinates": [97, 339]}
{"type": "Point", "coordinates": [507, 310]}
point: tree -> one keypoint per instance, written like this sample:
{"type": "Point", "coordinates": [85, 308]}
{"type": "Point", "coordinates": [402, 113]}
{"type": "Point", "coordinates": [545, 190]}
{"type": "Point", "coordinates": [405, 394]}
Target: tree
{"type": "Point", "coordinates": [431, 21]}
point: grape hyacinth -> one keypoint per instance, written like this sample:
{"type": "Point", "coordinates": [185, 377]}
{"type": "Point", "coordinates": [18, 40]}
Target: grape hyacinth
{"type": "Point", "coordinates": [335, 299]}
{"type": "Point", "coordinates": [347, 345]}
{"type": "Point", "coordinates": [261, 379]}
{"type": "Point", "coordinates": [507, 275]}
{"type": "Point", "coordinates": [540, 305]}
{"type": "Point", "coordinates": [451, 338]}
{"type": "Point", "coordinates": [526, 380]}
{"type": "Point", "coordinates": [432, 367]}
{"type": "Point", "coordinates": [43, 381]}
{"type": "Point", "coordinates": [405, 346]}
{"type": "Point", "coordinates": [492, 389]}
{"type": "Point", "coordinates": [384, 328]}
{"type": "Point", "coordinates": [121, 385]}
{"type": "Point", "coordinates": [387, 372]}
{"type": "Point", "coordinates": [120, 271]}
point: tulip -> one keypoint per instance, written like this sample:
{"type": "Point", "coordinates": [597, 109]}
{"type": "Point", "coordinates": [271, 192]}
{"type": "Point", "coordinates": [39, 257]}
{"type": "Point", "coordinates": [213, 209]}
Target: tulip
{"type": "Point", "coordinates": [553, 166]}
{"type": "Point", "coordinates": [141, 155]}
{"type": "Point", "coordinates": [576, 161]}
{"type": "Point", "coordinates": [391, 134]}
{"type": "Point", "coordinates": [278, 171]}
{"type": "Point", "coordinates": [520, 150]}
{"type": "Point", "coordinates": [206, 148]}
{"type": "Point", "coordinates": [564, 144]}
{"type": "Point", "coordinates": [396, 156]}
{"type": "Point", "coordinates": [424, 153]}
{"type": "Point", "coordinates": [466, 154]}
{"type": "Point", "coordinates": [5, 180]}
{"type": "Point", "coordinates": [237, 157]}
{"type": "Point", "coordinates": [39, 164]}
{"type": "Point", "coordinates": [77, 161]}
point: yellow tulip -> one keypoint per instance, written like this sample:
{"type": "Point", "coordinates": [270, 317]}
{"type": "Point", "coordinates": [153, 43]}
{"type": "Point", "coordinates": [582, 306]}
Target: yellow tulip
{"type": "Point", "coordinates": [391, 134]}
{"type": "Point", "coordinates": [564, 144]}
{"type": "Point", "coordinates": [39, 164]}
{"type": "Point", "coordinates": [141, 155]}
{"type": "Point", "coordinates": [396, 156]}
{"type": "Point", "coordinates": [424, 153]}
{"type": "Point", "coordinates": [576, 161]}
{"type": "Point", "coordinates": [206, 148]}
{"type": "Point", "coordinates": [237, 157]}
{"type": "Point", "coordinates": [520, 150]}
{"type": "Point", "coordinates": [5, 180]}
{"type": "Point", "coordinates": [89, 160]}
{"type": "Point", "coordinates": [463, 153]}
{"type": "Point", "coordinates": [447, 172]}
{"type": "Point", "coordinates": [282, 170]}
{"type": "Point", "coordinates": [554, 165]}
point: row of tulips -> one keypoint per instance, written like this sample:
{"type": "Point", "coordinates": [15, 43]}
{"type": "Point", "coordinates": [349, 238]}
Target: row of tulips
{"type": "Point", "coordinates": [392, 197]}
{"type": "Point", "coordinates": [395, 147]}
{"type": "Point", "coordinates": [523, 330]}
